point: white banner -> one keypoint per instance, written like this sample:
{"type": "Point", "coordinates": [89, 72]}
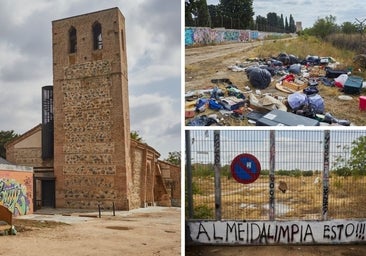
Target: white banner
{"type": "Point", "coordinates": [277, 232]}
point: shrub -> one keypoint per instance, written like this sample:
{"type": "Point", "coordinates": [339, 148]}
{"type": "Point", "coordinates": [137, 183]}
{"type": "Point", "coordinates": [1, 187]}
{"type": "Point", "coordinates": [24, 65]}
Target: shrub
{"type": "Point", "coordinates": [307, 173]}
{"type": "Point", "coordinates": [203, 212]}
{"type": "Point", "coordinates": [343, 171]}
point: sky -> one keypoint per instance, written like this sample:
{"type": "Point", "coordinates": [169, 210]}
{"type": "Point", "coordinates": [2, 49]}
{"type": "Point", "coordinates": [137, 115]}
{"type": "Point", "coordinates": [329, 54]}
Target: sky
{"type": "Point", "coordinates": [153, 34]}
{"type": "Point", "coordinates": [308, 11]}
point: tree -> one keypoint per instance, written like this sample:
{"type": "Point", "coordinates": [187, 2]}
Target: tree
{"type": "Point", "coordinates": [189, 12]}
{"type": "Point", "coordinates": [323, 27]}
{"type": "Point", "coordinates": [197, 14]}
{"type": "Point", "coordinates": [272, 21]}
{"type": "Point", "coordinates": [261, 23]}
{"type": "Point", "coordinates": [357, 161]}
{"type": "Point", "coordinates": [203, 16]}
{"type": "Point", "coordinates": [239, 12]}
{"type": "Point", "coordinates": [216, 16]}
{"type": "Point", "coordinates": [136, 136]}
{"type": "Point", "coordinates": [292, 25]}
{"type": "Point", "coordinates": [174, 158]}
{"type": "Point", "coordinates": [282, 23]}
{"type": "Point", "coordinates": [6, 136]}
{"type": "Point", "coordinates": [348, 28]}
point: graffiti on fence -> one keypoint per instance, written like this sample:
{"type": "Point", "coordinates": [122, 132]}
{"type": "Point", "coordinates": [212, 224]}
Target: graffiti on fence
{"type": "Point", "coordinates": [326, 174]}
{"type": "Point", "coordinates": [254, 35]}
{"type": "Point", "coordinates": [188, 36]}
{"type": "Point", "coordinates": [244, 36]}
{"type": "Point", "coordinates": [231, 36]}
{"type": "Point", "coordinates": [205, 36]}
{"type": "Point", "coordinates": [14, 196]}
{"type": "Point", "coordinates": [277, 232]}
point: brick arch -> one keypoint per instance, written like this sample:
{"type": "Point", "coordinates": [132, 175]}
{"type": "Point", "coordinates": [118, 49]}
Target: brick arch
{"type": "Point", "coordinates": [97, 36]}
{"type": "Point", "coordinates": [72, 40]}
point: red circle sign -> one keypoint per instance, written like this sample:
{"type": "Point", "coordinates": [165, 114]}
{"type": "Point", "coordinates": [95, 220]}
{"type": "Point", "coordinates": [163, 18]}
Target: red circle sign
{"type": "Point", "coordinates": [245, 168]}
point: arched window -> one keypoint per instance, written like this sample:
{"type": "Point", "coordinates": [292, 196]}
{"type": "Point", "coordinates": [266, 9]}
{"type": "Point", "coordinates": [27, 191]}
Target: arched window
{"type": "Point", "coordinates": [97, 36]}
{"type": "Point", "coordinates": [72, 40]}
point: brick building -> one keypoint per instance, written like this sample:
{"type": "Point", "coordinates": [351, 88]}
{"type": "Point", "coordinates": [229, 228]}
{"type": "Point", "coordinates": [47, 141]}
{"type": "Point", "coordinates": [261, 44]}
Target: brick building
{"type": "Point", "coordinates": [82, 152]}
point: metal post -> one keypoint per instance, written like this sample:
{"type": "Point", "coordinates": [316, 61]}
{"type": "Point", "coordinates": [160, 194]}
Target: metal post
{"type": "Point", "coordinates": [114, 209]}
{"type": "Point", "coordinates": [100, 213]}
{"type": "Point", "coordinates": [189, 175]}
{"type": "Point", "coordinates": [272, 163]}
{"type": "Point", "coordinates": [217, 174]}
{"type": "Point", "coordinates": [326, 175]}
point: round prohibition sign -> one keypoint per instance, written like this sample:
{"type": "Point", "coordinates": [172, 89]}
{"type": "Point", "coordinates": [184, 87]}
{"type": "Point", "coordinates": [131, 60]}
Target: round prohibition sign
{"type": "Point", "coordinates": [245, 168]}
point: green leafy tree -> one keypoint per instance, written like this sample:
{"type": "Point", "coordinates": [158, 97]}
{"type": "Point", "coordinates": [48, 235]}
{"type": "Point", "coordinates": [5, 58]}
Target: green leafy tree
{"type": "Point", "coordinates": [6, 136]}
{"type": "Point", "coordinates": [282, 23]}
{"type": "Point", "coordinates": [324, 27]}
{"type": "Point", "coordinates": [292, 25]}
{"type": "Point", "coordinates": [239, 12]}
{"type": "Point", "coordinates": [272, 21]}
{"type": "Point", "coordinates": [197, 14]}
{"type": "Point", "coordinates": [348, 28]}
{"type": "Point", "coordinates": [136, 136]}
{"type": "Point", "coordinates": [190, 11]}
{"type": "Point", "coordinates": [174, 158]}
{"type": "Point", "coordinates": [261, 23]}
{"type": "Point", "coordinates": [203, 15]}
{"type": "Point", "coordinates": [357, 161]}
{"type": "Point", "coordinates": [217, 18]}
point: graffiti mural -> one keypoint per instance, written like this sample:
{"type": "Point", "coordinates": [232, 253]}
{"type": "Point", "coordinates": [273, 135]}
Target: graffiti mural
{"type": "Point", "coordinates": [189, 36]}
{"type": "Point", "coordinates": [14, 196]}
{"type": "Point", "coordinates": [207, 36]}
{"type": "Point", "coordinates": [204, 36]}
{"type": "Point", "coordinates": [277, 232]}
{"type": "Point", "coordinates": [231, 36]}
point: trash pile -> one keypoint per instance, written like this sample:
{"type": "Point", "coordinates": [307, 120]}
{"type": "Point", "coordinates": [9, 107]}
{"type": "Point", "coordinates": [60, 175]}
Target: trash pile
{"type": "Point", "coordinates": [299, 102]}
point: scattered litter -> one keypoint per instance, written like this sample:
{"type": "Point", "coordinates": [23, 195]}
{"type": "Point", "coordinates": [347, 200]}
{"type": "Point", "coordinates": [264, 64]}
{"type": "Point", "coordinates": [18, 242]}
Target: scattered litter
{"type": "Point", "coordinates": [345, 97]}
{"type": "Point", "coordinates": [297, 81]}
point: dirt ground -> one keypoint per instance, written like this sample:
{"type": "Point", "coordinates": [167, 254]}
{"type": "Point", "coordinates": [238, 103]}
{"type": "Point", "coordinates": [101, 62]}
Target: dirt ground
{"type": "Point", "coordinates": [149, 231]}
{"type": "Point", "coordinates": [202, 64]}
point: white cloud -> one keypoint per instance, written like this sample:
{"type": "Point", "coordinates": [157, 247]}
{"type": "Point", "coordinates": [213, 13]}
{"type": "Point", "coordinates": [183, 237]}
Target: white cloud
{"type": "Point", "coordinates": [154, 117]}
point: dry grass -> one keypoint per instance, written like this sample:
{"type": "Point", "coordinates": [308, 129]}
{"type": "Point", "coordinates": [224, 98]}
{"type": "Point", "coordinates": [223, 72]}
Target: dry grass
{"type": "Point", "coordinates": [304, 46]}
{"type": "Point", "coordinates": [302, 200]}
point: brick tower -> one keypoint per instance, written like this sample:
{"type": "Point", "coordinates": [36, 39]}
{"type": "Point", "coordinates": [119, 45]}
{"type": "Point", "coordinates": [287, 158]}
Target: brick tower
{"type": "Point", "coordinates": [91, 111]}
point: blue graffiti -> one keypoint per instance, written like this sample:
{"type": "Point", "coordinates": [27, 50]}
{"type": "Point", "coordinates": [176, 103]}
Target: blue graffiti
{"type": "Point", "coordinates": [189, 36]}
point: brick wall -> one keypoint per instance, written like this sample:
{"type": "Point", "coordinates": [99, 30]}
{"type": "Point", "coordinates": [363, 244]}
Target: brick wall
{"type": "Point", "coordinates": [91, 113]}
{"type": "Point", "coordinates": [26, 150]}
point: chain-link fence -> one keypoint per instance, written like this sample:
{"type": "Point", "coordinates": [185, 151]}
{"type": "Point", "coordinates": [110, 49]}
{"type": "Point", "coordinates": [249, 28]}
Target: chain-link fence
{"type": "Point", "coordinates": [304, 174]}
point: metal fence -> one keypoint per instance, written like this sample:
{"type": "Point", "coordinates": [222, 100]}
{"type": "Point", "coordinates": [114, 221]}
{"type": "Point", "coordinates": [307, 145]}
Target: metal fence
{"type": "Point", "coordinates": [304, 174]}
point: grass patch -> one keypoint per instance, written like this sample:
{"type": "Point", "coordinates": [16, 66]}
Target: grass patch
{"type": "Point", "coordinates": [304, 46]}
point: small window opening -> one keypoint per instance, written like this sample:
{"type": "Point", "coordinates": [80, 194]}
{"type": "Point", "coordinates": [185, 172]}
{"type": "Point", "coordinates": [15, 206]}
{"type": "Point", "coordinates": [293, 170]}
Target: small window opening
{"type": "Point", "coordinates": [97, 36]}
{"type": "Point", "coordinates": [123, 40]}
{"type": "Point", "coordinates": [72, 40]}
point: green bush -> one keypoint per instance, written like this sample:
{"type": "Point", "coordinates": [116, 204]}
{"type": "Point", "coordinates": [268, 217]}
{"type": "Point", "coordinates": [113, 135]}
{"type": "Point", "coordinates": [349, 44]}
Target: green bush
{"type": "Point", "coordinates": [203, 212]}
{"type": "Point", "coordinates": [343, 171]}
{"type": "Point", "coordinates": [307, 173]}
